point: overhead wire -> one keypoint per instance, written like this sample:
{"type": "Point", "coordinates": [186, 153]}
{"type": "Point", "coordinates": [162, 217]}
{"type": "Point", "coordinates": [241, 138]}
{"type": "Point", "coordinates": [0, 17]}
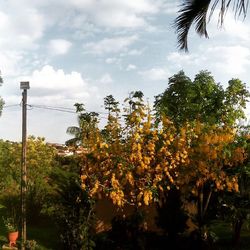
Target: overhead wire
{"type": "Point", "coordinates": [61, 109]}
{"type": "Point", "coordinates": [66, 110]}
{"type": "Point", "coordinates": [56, 108]}
{"type": "Point", "coordinates": [10, 106]}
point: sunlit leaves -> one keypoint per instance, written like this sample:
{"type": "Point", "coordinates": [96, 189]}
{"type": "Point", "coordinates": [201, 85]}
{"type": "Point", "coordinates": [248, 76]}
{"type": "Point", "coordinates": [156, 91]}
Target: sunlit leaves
{"type": "Point", "coordinates": [136, 161]}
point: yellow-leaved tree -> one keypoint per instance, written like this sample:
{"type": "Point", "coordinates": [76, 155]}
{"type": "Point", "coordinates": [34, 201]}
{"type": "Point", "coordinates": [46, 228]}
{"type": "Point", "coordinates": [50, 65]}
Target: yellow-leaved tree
{"type": "Point", "coordinates": [134, 161]}
{"type": "Point", "coordinates": [213, 151]}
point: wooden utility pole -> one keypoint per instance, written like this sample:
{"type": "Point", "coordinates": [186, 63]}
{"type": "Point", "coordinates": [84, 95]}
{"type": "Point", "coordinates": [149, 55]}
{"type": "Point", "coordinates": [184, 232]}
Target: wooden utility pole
{"type": "Point", "coordinates": [24, 86]}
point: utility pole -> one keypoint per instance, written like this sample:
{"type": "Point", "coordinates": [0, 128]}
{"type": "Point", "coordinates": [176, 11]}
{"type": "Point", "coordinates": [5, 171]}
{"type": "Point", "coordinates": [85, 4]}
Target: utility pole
{"type": "Point", "coordinates": [24, 86]}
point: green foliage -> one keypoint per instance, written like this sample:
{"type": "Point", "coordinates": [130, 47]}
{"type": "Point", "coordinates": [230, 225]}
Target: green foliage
{"type": "Point", "coordinates": [31, 245]}
{"type": "Point", "coordinates": [10, 224]}
{"type": "Point", "coordinates": [111, 104]}
{"type": "Point", "coordinates": [202, 99]}
{"type": "Point", "coordinates": [236, 207]}
{"type": "Point", "coordinates": [72, 210]}
{"type": "Point", "coordinates": [40, 161]}
{"type": "Point", "coordinates": [236, 97]}
{"type": "Point", "coordinates": [87, 122]}
{"type": "Point", "coordinates": [112, 130]}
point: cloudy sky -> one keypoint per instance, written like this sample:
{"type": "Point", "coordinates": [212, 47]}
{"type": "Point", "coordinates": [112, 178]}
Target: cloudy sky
{"type": "Point", "coordinates": [82, 50]}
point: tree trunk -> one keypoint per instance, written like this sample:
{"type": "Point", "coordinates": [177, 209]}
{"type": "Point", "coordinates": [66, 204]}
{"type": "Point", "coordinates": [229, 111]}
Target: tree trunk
{"type": "Point", "coordinates": [200, 208]}
{"type": "Point", "coordinates": [203, 203]}
{"type": "Point", "coordinates": [237, 230]}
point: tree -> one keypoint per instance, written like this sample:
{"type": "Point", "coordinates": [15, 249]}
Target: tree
{"type": "Point", "coordinates": [40, 161]}
{"type": "Point", "coordinates": [202, 99]}
{"type": "Point", "coordinates": [87, 122]}
{"type": "Point", "coordinates": [112, 130]}
{"type": "Point", "coordinates": [212, 155]}
{"type": "Point", "coordinates": [138, 161]}
{"type": "Point", "coordinates": [235, 207]}
{"type": "Point", "coordinates": [1, 100]}
{"type": "Point", "coordinates": [72, 209]}
{"type": "Point", "coordinates": [196, 11]}
{"type": "Point", "coordinates": [136, 167]}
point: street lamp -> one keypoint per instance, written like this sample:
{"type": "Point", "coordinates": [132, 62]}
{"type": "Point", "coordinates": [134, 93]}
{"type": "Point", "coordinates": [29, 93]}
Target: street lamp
{"type": "Point", "coordinates": [24, 86]}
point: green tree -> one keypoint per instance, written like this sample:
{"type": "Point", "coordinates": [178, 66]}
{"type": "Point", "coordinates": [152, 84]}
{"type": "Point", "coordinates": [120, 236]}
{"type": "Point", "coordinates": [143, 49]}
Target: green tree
{"type": "Point", "coordinates": [235, 207]}
{"type": "Point", "coordinates": [72, 208]}
{"type": "Point", "coordinates": [40, 161]}
{"type": "Point", "coordinates": [202, 99]}
{"type": "Point", "coordinates": [112, 130]}
{"type": "Point", "coordinates": [87, 122]}
{"type": "Point", "coordinates": [196, 12]}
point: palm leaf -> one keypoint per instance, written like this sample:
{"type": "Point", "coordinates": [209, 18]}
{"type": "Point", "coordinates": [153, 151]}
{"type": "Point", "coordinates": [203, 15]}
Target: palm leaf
{"type": "Point", "coordinates": [192, 11]}
{"type": "Point", "coordinates": [195, 12]}
{"type": "Point", "coordinates": [73, 130]}
{"type": "Point", "coordinates": [72, 142]}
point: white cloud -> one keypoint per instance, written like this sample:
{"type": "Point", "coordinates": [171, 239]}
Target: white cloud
{"type": "Point", "coordinates": [110, 45]}
{"type": "Point", "coordinates": [170, 7]}
{"type": "Point", "coordinates": [59, 46]}
{"type": "Point", "coordinates": [232, 28]}
{"type": "Point", "coordinates": [131, 67]}
{"type": "Point", "coordinates": [20, 29]}
{"type": "Point", "coordinates": [117, 14]}
{"type": "Point", "coordinates": [135, 52]}
{"type": "Point", "coordinates": [155, 74]}
{"type": "Point", "coordinates": [9, 62]}
{"type": "Point", "coordinates": [180, 60]}
{"type": "Point", "coordinates": [52, 86]}
{"type": "Point", "coordinates": [231, 59]}
{"type": "Point", "coordinates": [113, 60]}
{"type": "Point", "coordinates": [105, 79]}
{"type": "Point", "coordinates": [225, 60]}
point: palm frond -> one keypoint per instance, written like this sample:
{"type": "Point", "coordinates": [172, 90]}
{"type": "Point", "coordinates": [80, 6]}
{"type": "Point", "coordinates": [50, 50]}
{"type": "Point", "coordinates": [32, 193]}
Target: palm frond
{"type": "Point", "coordinates": [239, 8]}
{"type": "Point", "coordinates": [73, 130]}
{"type": "Point", "coordinates": [72, 142]}
{"type": "Point", "coordinates": [192, 11]}
{"type": "Point", "coordinates": [195, 12]}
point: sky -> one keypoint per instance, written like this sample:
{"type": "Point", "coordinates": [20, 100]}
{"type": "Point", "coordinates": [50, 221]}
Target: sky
{"type": "Point", "coordinates": [79, 51]}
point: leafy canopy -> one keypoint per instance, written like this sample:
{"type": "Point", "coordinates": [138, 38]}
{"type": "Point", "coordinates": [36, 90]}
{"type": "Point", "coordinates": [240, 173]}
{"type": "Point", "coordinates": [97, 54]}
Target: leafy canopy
{"type": "Point", "coordinates": [136, 161]}
{"type": "Point", "coordinates": [202, 99]}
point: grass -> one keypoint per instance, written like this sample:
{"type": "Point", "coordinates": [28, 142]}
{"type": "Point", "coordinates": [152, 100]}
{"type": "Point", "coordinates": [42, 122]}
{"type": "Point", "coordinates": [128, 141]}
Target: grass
{"type": "Point", "coordinates": [224, 232]}
{"type": "Point", "coordinates": [44, 233]}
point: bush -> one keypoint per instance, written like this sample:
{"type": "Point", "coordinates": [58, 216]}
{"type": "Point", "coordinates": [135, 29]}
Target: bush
{"type": "Point", "coordinates": [72, 210]}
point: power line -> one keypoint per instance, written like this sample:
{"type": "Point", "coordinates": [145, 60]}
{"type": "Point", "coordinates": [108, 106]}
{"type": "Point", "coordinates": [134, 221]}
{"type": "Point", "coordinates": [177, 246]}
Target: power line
{"type": "Point", "coordinates": [65, 110]}
{"type": "Point", "coordinates": [52, 107]}
{"type": "Point", "coordinates": [10, 106]}
{"type": "Point", "coordinates": [56, 108]}
{"type": "Point", "coordinates": [62, 109]}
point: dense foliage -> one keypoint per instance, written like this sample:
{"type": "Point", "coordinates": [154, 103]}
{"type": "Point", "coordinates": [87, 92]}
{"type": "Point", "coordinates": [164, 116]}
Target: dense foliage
{"type": "Point", "coordinates": [202, 99]}
{"type": "Point", "coordinates": [186, 157]}
{"type": "Point", "coordinates": [40, 162]}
